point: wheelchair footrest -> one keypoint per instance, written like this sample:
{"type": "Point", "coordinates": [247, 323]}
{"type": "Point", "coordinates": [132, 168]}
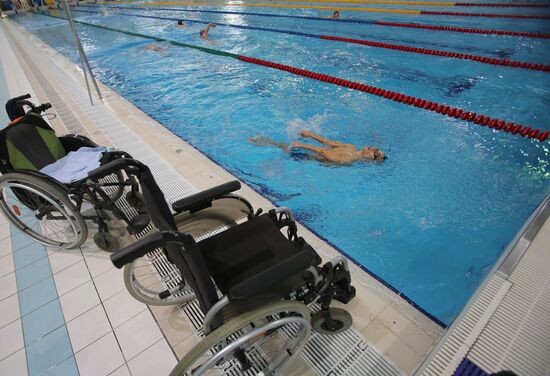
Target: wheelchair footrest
{"type": "Point", "coordinates": [345, 296]}
{"type": "Point", "coordinates": [138, 223]}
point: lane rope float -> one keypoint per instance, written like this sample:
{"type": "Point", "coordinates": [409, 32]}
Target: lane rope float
{"type": "Point", "coordinates": [492, 15]}
{"type": "Point", "coordinates": [350, 20]}
{"type": "Point", "coordinates": [400, 2]}
{"type": "Point", "coordinates": [503, 5]}
{"type": "Point", "coordinates": [465, 30]}
{"type": "Point", "coordinates": [332, 8]}
{"type": "Point", "coordinates": [447, 110]}
{"type": "Point", "coordinates": [396, 47]}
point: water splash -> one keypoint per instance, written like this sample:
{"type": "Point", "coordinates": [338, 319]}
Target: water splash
{"type": "Point", "coordinates": [314, 123]}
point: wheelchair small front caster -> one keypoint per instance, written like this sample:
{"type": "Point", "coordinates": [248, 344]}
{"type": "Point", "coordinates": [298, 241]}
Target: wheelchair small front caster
{"type": "Point", "coordinates": [336, 320]}
{"type": "Point", "coordinates": [135, 199]}
{"type": "Point", "coordinates": [106, 242]}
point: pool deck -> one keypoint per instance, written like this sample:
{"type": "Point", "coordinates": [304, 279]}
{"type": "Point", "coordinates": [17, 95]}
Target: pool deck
{"type": "Point", "coordinates": [109, 333]}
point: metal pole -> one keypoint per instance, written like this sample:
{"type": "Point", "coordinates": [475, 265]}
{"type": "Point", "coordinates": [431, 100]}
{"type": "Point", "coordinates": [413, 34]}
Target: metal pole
{"type": "Point", "coordinates": [83, 58]}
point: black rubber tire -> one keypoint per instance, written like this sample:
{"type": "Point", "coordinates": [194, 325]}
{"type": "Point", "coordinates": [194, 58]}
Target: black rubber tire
{"type": "Point", "coordinates": [340, 315]}
{"type": "Point", "coordinates": [135, 199]}
{"type": "Point", "coordinates": [106, 242]}
{"type": "Point", "coordinates": [54, 193]}
{"type": "Point", "coordinates": [145, 294]}
{"type": "Point", "coordinates": [234, 325]}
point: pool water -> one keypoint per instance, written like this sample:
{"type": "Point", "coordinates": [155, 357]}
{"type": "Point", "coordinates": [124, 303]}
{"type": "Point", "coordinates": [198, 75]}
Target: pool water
{"type": "Point", "coordinates": [434, 217]}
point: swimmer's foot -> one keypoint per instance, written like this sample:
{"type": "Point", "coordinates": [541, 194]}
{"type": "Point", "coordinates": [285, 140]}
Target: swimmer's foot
{"type": "Point", "coordinates": [260, 140]}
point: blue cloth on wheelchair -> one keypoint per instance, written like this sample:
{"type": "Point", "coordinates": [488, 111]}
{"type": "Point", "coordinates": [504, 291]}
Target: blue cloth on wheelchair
{"type": "Point", "coordinates": [75, 165]}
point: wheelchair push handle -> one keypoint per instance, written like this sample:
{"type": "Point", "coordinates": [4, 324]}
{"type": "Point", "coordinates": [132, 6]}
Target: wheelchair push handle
{"type": "Point", "coordinates": [148, 244]}
{"type": "Point", "coordinates": [20, 98]}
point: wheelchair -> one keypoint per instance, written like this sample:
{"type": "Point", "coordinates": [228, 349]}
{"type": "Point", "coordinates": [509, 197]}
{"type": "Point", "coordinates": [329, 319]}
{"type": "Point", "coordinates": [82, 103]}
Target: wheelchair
{"type": "Point", "coordinates": [51, 212]}
{"type": "Point", "coordinates": [269, 281]}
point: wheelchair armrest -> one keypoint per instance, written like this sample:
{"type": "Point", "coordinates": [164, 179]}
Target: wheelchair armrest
{"type": "Point", "coordinates": [149, 244]}
{"type": "Point", "coordinates": [204, 199]}
{"type": "Point", "coordinates": [114, 166]}
{"type": "Point", "coordinates": [73, 142]}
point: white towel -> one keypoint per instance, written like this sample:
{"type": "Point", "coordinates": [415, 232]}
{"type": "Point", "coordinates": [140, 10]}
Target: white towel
{"type": "Point", "coordinates": [75, 165]}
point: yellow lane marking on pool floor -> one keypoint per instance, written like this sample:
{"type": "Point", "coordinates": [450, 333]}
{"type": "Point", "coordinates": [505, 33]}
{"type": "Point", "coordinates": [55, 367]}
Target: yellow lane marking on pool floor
{"type": "Point", "coordinates": [381, 10]}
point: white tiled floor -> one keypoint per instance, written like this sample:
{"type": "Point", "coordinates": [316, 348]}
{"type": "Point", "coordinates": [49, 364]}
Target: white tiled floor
{"type": "Point", "coordinates": [122, 371]}
{"type": "Point", "coordinates": [88, 327]}
{"type": "Point", "coordinates": [6, 265]}
{"type": "Point", "coordinates": [109, 283]}
{"type": "Point", "coordinates": [122, 306]}
{"type": "Point", "coordinates": [9, 310]}
{"type": "Point", "coordinates": [156, 360]}
{"type": "Point", "coordinates": [60, 260]}
{"type": "Point", "coordinates": [138, 334]}
{"type": "Point", "coordinates": [11, 339]}
{"type": "Point", "coordinates": [79, 300]}
{"type": "Point", "coordinates": [70, 278]}
{"type": "Point", "coordinates": [8, 285]}
{"type": "Point", "coordinates": [100, 358]}
{"type": "Point", "coordinates": [15, 364]}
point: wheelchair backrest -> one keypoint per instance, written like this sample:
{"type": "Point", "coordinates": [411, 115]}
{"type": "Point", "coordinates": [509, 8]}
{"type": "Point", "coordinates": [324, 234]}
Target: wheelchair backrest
{"type": "Point", "coordinates": [190, 260]}
{"type": "Point", "coordinates": [29, 143]}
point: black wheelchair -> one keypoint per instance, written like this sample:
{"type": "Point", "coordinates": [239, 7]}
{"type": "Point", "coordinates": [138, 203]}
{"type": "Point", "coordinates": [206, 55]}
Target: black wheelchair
{"type": "Point", "coordinates": [51, 212]}
{"type": "Point", "coordinates": [269, 282]}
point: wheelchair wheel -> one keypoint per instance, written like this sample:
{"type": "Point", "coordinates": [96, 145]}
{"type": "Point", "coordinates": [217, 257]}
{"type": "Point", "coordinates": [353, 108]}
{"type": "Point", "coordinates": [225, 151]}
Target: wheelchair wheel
{"type": "Point", "coordinates": [41, 210]}
{"type": "Point", "coordinates": [341, 320]}
{"type": "Point", "coordinates": [154, 280]}
{"type": "Point", "coordinates": [106, 242]}
{"type": "Point", "coordinates": [263, 341]}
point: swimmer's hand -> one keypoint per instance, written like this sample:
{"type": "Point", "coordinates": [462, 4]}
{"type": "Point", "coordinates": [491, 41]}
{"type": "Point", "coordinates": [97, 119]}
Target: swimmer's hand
{"type": "Point", "coordinates": [305, 133]}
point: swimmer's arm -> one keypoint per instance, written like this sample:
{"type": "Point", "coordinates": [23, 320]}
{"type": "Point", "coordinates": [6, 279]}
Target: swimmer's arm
{"type": "Point", "coordinates": [320, 139]}
{"type": "Point", "coordinates": [299, 145]}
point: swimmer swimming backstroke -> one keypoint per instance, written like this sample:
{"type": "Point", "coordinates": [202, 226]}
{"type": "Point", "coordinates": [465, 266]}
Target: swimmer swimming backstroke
{"type": "Point", "coordinates": [204, 33]}
{"type": "Point", "coordinates": [334, 152]}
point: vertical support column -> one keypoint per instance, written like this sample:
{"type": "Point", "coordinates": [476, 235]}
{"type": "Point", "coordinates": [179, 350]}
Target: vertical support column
{"type": "Point", "coordinates": [83, 58]}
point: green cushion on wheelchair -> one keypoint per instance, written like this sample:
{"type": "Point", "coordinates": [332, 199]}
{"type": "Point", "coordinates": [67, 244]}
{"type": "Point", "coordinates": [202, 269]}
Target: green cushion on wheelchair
{"type": "Point", "coordinates": [32, 147]}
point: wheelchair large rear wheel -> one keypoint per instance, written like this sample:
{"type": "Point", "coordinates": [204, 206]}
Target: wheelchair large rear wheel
{"type": "Point", "coordinates": [263, 341]}
{"type": "Point", "coordinates": [154, 280]}
{"type": "Point", "coordinates": [41, 210]}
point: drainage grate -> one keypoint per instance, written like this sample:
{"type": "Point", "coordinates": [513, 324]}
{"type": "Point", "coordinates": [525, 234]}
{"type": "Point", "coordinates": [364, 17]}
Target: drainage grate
{"type": "Point", "coordinates": [337, 355]}
{"type": "Point", "coordinates": [458, 342]}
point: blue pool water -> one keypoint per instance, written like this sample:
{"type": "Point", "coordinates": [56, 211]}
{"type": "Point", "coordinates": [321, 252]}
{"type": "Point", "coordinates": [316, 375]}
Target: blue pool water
{"type": "Point", "coordinates": [430, 221]}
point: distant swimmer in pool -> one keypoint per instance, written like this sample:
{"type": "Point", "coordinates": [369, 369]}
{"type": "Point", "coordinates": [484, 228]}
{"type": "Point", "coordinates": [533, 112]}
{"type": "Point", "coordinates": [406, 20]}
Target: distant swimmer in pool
{"type": "Point", "coordinates": [334, 152]}
{"type": "Point", "coordinates": [204, 33]}
{"type": "Point", "coordinates": [335, 15]}
{"type": "Point", "coordinates": [104, 12]}
{"type": "Point", "coordinates": [182, 24]}
{"type": "Point", "coordinates": [153, 47]}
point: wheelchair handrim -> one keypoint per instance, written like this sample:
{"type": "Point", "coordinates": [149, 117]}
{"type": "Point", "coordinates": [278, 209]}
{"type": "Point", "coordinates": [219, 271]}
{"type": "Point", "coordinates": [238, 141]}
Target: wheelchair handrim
{"type": "Point", "coordinates": [28, 230]}
{"type": "Point", "coordinates": [295, 339]}
{"type": "Point", "coordinates": [233, 346]}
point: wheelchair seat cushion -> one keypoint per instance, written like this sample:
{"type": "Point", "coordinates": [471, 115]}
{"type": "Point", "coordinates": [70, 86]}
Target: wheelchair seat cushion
{"type": "Point", "coordinates": [75, 165]}
{"type": "Point", "coordinates": [30, 144]}
{"type": "Point", "coordinates": [255, 258]}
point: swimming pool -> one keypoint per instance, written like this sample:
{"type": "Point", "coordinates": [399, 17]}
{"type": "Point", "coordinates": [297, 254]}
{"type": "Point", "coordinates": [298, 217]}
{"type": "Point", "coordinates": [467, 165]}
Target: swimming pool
{"type": "Point", "coordinates": [432, 219]}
